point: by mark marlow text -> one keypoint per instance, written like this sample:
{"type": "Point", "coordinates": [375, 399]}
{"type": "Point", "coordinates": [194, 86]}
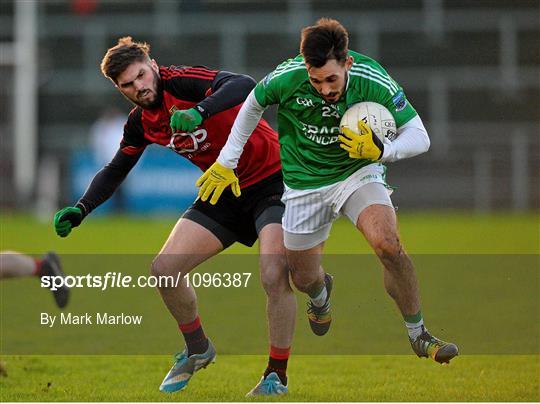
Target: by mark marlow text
{"type": "Point", "coordinates": [90, 319]}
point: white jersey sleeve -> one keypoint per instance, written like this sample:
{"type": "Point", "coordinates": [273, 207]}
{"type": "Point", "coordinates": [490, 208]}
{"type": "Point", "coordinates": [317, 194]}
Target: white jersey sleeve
{"type": "Point", "coordinates": [412, 140]}
{"type": "Point", "coordinates": [245, 123]}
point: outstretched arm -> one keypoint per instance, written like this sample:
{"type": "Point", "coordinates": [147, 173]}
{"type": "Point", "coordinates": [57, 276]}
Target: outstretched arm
{"type": "Point", "coordinates": [221, 174]}
{"type": "Point", "coordinates": [249, 116]}
{"type": "Point", "coordinates": [105, 182]}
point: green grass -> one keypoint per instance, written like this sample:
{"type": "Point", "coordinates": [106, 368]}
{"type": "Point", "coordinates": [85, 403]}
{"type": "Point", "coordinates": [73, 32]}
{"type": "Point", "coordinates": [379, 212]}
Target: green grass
{"type": "Point", "coordinates": [312, 378]}
{"type": "Point", "coordinates": [422, 233]}
{"type": "Point", "coordinates": [479, 280]}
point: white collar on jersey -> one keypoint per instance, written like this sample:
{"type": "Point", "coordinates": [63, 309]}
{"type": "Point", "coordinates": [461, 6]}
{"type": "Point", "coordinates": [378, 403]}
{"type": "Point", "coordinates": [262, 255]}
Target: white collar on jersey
{"type": "Point", "coordinates": [347, 84]}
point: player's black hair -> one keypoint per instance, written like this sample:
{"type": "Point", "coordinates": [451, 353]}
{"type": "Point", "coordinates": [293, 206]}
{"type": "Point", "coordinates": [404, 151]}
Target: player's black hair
{"type": "Point", "coordinates": [325, 40]}
{"type": "Point", "coordinates": [120, 56]}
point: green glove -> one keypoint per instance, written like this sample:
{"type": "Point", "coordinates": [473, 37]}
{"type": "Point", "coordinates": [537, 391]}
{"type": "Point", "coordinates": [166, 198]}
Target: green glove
{"type": "Point", "coordinates": [185, 120]}
{"type": "Point", "coordinates": [215, 180]}
{"type": "Point", "coordinates": [66, 219]}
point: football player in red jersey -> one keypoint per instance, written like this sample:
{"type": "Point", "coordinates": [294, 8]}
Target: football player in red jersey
{"type": "Point", "coordinates": [191, 111]}
{"type": "Point", "coordinates": [14, 264]}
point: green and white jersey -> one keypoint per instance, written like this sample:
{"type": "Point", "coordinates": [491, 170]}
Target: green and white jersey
{"type": "Point", "coordinates": [308, 126]}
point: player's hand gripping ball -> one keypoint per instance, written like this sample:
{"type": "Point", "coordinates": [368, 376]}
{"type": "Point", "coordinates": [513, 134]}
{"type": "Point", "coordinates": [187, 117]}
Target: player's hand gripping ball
{"type": "Point", "coordinates": [365, 128]}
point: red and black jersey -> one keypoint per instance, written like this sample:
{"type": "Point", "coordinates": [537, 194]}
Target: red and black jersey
{"type": "Point", "coordinates": [218, 96]}
{"type": "Point", "coordinates": [188, 87]}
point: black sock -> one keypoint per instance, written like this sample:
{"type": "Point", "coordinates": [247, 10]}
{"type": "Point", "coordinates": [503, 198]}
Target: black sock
{"type": "Point", "coordinates": [279, 366]}
{"type": "Point", "coordinates": [196, 340]}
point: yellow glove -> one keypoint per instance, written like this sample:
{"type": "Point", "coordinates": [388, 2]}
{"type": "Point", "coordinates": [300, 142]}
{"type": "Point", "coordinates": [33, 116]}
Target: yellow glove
{"type": "Point", "coordinates": [362, 145]}
{"type": "Point", "coordinates": [215, 180]}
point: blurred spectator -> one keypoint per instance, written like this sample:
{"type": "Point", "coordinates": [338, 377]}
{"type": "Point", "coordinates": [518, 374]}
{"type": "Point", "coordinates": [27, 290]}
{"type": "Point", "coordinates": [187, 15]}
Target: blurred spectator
{"type": "Point", "coordinates": [84, 7]}
{"type": "Point", "coordinates": [105, 136]}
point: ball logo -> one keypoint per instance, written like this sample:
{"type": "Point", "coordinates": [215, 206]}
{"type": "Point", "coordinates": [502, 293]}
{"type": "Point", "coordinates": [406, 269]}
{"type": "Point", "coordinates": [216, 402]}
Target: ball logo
{"type": "Point", "coordinates": [376, 116]}
{"type": "Point", "coordinates": [390, 135]}
{"type": "Point", "coordinates": [187, 142]}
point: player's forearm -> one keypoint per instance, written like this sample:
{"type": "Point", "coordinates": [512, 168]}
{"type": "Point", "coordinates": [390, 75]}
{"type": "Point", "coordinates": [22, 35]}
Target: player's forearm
{"type": "Point", "coordinates": [412, 140]}
{"type": "Point", "coordinates": [249, 116]}
{"type": "Point", "coordinates": [228, 90]}
{"type": "Point", "coordinates": [106, 182]}
{"type": "Point", "coordinates": [100, 189]}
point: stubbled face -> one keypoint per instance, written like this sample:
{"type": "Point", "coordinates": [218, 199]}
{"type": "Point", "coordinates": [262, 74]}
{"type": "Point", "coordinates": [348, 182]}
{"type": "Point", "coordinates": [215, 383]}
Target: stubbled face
{"type": "Point", "coordinates": [140, 83]}
{"type": "Point", "coordinates": [329, 80]}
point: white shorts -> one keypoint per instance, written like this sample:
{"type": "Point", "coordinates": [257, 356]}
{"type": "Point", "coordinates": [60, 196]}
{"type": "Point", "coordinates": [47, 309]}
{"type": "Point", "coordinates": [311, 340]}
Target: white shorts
{"type": "Point", "coordinates": [309, 213]}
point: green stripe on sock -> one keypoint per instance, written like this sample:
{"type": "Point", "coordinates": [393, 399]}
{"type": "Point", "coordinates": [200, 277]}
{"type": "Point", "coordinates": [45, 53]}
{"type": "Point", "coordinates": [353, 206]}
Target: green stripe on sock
{"type": "Point", "coordinates": [415, 318]}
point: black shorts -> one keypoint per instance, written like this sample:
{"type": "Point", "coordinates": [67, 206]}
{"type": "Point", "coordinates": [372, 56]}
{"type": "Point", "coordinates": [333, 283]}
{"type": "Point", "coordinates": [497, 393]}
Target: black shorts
{"type": "Point", "coordinates": [241, 219]}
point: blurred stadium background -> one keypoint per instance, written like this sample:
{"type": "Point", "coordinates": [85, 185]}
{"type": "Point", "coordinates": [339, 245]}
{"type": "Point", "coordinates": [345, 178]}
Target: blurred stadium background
{"type": "Point", "coordinates": [471, 69]}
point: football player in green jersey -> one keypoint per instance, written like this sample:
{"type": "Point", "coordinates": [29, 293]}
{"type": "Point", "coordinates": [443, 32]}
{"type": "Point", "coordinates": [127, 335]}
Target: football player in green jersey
{"type": "Point", "coordinates": [328, 174]}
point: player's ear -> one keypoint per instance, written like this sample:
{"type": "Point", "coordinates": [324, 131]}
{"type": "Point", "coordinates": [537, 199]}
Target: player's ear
{"type": "Point", "coordinates": [154, 65]}
{"type": "Point", "coordinates": [349, 62]}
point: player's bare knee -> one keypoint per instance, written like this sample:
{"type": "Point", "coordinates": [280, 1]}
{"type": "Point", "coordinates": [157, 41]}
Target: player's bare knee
{"type": "Point", "coordinates": [303, 281]}
{"type": "Point", "coordinates": [388, 249]}
{"type": "Point", "coordinates": [165, 265]}
{"type": "Point", "coordinates": [275, 281]}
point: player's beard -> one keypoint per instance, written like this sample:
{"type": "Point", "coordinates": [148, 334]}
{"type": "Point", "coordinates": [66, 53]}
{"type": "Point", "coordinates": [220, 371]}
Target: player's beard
{"type": "Point", "coordinates": [157, 89]}
{"type": "Point", "coordinates": [334, 96]}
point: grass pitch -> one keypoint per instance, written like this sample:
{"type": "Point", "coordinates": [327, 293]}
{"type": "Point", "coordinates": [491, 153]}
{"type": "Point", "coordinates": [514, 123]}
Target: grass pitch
{"type": "Point", "coordinates": [312, 378]}
{"type": "Point", "coordinates": [344, 376]}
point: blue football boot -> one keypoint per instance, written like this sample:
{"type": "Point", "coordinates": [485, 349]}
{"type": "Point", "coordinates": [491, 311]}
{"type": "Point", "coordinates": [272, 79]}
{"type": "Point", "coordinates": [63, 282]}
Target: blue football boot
{"type": "Point", "coordinates": [271, 386]}
{"type": "Point", "coordinates": [183, 368]}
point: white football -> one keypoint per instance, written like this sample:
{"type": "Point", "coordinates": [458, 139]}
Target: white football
{"type": "Point", "coordinates": [376, 116]}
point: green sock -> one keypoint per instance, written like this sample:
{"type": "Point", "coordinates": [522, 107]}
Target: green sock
{"type": "Point", "coordinates": [414, 324]}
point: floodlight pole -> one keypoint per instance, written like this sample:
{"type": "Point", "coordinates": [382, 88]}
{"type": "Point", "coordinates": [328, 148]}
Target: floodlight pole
{"type": "Point", "coordinates": [25, 120]}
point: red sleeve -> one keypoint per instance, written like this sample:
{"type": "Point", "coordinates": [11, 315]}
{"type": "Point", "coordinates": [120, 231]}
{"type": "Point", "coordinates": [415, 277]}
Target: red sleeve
{"type": "Point", "coordinates": [134, 141]}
